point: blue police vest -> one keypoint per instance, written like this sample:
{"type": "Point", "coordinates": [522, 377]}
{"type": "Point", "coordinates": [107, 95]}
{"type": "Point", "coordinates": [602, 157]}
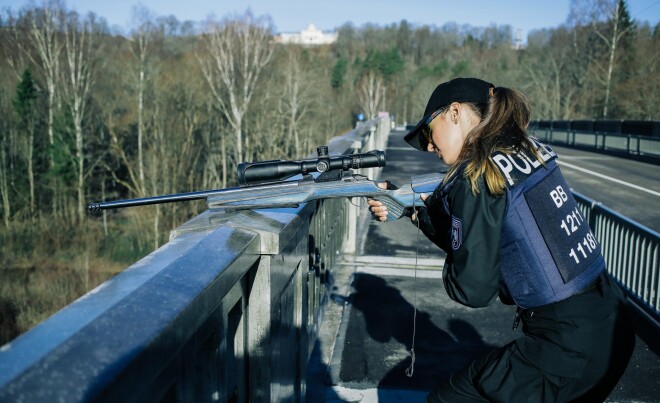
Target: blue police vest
{"type": "Point", "coordinates": [548, 250]}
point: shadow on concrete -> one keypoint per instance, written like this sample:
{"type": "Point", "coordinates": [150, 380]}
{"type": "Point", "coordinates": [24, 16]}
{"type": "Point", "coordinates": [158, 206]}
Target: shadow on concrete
{"type": "Point", "coordinates": [380, 337]}
{"type": "Point", "coordinates": [318, 378]}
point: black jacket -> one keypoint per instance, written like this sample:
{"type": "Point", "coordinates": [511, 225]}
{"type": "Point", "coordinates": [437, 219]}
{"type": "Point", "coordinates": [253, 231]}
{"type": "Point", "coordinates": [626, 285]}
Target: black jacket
{"type": "Point", "coordinates": [471, 273]}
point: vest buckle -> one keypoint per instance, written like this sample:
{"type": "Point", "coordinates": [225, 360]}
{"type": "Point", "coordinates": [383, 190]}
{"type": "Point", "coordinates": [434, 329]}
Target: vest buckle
{"type": "Point", "coordinates": [516, 318]}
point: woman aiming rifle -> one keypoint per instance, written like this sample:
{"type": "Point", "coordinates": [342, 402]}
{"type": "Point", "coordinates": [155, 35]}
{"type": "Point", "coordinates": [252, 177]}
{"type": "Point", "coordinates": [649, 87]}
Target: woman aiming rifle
{"type": "Point", "coordinates": [511, 228]}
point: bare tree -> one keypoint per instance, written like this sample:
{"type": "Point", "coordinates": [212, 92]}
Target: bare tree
{"type": "Point", "coordinates": [79, 52]}
{"type": "Point", "coordinates": [43, 27]}
{"type": "Point", "coordinates": [296, 98]}
{"type": "Point", "coordinates": [234, 54]}
{"type": "Point", "coordinates": [547, 79]}
{"type": "Point", "coordinates": [46, 28]}
{"type": "Point", "coordinates": [637, 93]}
{"type": "Point", "coordinates": [37, 42]}
{"type": "Point", "coordinates": [371, 93]}
{"type": "Point", "coordinates": [609, 22]}
{"type": "Point", "coordinates": [141, 41]}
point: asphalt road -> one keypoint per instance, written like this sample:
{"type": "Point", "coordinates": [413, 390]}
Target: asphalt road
{"type": "Point", "coordinates": [632, 188]}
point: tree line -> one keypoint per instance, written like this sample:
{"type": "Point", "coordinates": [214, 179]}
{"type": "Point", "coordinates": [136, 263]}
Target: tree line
{"type": "Point", "coordinates": [90, 114]}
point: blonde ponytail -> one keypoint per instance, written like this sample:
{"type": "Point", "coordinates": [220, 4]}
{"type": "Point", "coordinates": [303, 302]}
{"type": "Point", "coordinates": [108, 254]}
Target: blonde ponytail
{"type": "Point", "coordinates": [503, 128]}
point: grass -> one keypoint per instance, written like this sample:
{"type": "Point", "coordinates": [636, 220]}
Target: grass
{"type": "Point", "coordinates": [46, 265]}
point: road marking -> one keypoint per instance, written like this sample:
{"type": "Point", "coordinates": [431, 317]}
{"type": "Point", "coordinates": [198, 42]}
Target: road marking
{"type": "Point", "coordinates": [385, 271]}
{"type": "Point", "coordinates": [609, 178]}
{"type": "Point", "coordinates": [338, 393]}
{"type": "Point", "coordinates": [582, 158]}
{"type": "Point", "coordinates": [394, 261]}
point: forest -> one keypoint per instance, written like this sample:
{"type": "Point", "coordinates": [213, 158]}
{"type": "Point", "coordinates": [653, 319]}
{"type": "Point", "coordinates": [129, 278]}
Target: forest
{"type": "Point", "coordinates": [91, 114]}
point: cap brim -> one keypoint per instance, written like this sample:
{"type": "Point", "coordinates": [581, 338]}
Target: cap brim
{"type": "Point", "coordinates": [415, 137]}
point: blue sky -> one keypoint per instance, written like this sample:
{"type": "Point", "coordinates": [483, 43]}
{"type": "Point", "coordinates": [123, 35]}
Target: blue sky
{"type": "Point", "coordinates": [294, 15]}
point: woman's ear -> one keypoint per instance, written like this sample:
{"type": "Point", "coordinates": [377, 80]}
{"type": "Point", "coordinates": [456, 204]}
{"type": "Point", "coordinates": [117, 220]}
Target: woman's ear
{"type": "Point", "coordinates": [453, 111]}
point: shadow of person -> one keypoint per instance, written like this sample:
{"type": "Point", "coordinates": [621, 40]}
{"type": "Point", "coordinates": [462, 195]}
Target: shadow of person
{"type": "Point", "coordinates": [379, 336]}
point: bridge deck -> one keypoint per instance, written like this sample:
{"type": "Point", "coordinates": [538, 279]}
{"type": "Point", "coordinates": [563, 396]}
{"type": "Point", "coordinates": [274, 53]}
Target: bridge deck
{"type": "Point", "coordinates": [364, 346]}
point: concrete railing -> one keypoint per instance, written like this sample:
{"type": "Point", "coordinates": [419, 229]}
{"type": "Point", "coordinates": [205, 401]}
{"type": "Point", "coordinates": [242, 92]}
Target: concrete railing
{"type": "Point", "coordinates": [226, 311]}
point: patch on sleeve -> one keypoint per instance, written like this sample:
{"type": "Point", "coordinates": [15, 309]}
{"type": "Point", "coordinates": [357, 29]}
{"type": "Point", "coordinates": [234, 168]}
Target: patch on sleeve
{"type": "Point", "coordinates": [456, 232]}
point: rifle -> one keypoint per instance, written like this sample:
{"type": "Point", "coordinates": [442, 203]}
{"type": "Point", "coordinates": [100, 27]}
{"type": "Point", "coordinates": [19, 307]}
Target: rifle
{"type": "Point", "coordinates": [263, 185]}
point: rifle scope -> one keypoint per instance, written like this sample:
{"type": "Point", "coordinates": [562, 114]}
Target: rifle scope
{"type": "Point", "coordinates": [254, 173]}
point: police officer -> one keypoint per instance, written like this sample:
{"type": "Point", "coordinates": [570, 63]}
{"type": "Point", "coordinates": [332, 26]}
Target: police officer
{"type": "Point", "coordinates": [511, 228]}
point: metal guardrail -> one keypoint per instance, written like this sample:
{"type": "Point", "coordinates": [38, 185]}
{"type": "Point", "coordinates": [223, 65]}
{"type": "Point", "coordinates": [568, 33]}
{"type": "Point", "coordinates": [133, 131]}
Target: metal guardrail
{"type": "Point", "coordinates": [631, 252]}
{"type": "Point", "coordinates": [227, 310]}
{"type": "Point", "coordinates": [629, 145]}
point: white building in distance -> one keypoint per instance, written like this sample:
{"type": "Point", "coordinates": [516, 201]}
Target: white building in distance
{"type": "Point", "coordinates": [310, 36]}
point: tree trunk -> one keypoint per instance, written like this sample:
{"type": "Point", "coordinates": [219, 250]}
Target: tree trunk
{"type": "Point", "coordinates": [141, 132]}
{"type": "Point", "coordinates": [4, 185]}
{"type": "Point", "coordinates": [80, 160]}
{"type": "Point", "coordinates": [610, 65]}
{"type": "Point", "coordinates": [223, 149]}
{"type": "Point", "coordinates": [238, 136]}
{"type": "Point", "coordinates": [156, 222]}
{"type": "Point", "coordinates": [78, 48]}
{"type": "Point", "coordinates": [30, 167]}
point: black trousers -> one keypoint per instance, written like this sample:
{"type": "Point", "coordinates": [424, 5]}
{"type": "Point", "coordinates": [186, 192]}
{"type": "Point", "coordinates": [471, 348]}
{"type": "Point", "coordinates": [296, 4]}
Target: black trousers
{"type": "Point", "coordinates": [573, 350]}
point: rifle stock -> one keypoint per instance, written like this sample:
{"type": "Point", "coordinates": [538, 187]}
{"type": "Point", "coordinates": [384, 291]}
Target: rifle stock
{"type": "Point", "coordinates": [399, 202]}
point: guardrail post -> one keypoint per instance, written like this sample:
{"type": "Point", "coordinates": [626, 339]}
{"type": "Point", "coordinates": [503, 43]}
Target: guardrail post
{"type": "Point", "coordinates": [593, 213]}
{"type": "Point", "coordinates": [573, 135]}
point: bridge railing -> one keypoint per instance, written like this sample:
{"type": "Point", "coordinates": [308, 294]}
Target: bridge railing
{"type": "Point", "coordinates": [226, 311]}
{"type": "Point", "coordinates": [631, 251]}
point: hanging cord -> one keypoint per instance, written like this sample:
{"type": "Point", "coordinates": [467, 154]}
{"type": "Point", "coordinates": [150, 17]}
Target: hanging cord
{"type": "Point", "coordinates": [411, 369]}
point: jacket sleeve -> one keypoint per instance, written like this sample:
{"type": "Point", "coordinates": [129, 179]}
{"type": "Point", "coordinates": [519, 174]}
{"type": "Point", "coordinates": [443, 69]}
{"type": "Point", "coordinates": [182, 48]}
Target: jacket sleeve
{"type": "Point", "coordinates": [472, 270]}
{"type": "Point", "coordinates": [433, 221]}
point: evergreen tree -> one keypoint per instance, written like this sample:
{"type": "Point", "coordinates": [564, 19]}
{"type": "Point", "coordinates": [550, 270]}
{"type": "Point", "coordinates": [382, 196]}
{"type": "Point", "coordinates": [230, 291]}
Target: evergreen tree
{"type": "Point", "coordinates": [25, 107]}
{"type": "Point", "coordinates": [24, 102]}
{"type": "Point", "coordinates": [338, 73]}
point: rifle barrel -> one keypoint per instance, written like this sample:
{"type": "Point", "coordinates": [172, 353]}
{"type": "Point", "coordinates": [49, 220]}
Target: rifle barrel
{"type": "Point", "coordinates": [96, 207]}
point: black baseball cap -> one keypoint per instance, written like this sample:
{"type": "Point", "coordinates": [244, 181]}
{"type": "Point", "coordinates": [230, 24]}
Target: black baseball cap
{"type": "Point", "coordinates": [471, 90]}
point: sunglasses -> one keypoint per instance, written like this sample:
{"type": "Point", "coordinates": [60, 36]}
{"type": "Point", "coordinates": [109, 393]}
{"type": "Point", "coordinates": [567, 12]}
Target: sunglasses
{"type": "Point", "coordinates": [434, 115]}
{"type": "Point", "coordinates": [426, 131]}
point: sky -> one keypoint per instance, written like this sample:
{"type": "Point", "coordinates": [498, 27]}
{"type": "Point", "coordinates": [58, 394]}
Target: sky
{"type": "Point", "coordinates": [295, 15]}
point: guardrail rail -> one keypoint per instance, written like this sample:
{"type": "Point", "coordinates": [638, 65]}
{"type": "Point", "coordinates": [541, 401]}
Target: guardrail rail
{"type": "Point", "coordinates": [631, 252]}
{"type": "Point", "coordinates": [632, 139]}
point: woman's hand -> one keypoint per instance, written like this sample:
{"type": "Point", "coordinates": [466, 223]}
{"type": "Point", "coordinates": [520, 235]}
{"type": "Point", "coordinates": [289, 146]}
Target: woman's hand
{"type": "Point", "coordinates": [379, 210]}
{"type": "Point", "coordinates": [413, 217]}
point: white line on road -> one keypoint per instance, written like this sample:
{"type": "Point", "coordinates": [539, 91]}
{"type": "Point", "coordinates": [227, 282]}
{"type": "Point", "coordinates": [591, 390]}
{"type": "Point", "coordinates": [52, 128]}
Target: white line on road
{"type": "Point", "coordinates": [385, 271]}
{"type": "Point", "coordinates": [609, 178]}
